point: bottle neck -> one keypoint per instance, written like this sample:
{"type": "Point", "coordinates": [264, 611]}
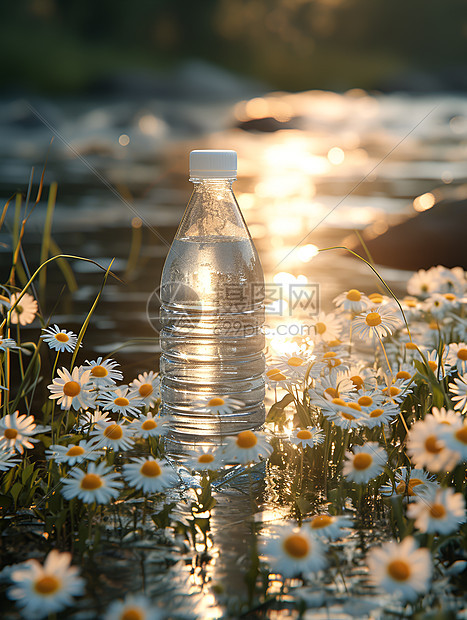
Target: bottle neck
{"type": "Point", "coordinates": [225, 184]}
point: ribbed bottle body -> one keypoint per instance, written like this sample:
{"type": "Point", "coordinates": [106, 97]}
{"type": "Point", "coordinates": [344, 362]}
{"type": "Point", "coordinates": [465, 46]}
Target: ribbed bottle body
{"type": "Point", "coordinates": [212, 338]}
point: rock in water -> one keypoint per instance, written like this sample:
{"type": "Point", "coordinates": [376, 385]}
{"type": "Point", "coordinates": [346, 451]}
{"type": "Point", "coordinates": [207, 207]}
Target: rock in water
{"type": "Point", "coordinates": [433, 237]}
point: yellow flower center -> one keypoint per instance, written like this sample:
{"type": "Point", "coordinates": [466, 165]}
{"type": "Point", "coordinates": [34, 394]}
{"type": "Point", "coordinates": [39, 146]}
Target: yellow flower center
{"type": "Point", "coordinates": [462, 354]}
{"type": "Point", "coordinates": [376, 298]}
{"type": "Point", "coordinates": [329, 354]}
{"type": "Point", "coordinates": [91, 482]}
{"type": "Point", "coordinates": [373, 319]}
{"type": "Point", "coordinates": [113, 431]}
{"type": "Point", "coordinates": [272, 371]}
{"type": "Point", "coordinates": [365, 401]}
{"type": "Point", "coordinates": [10, 433]}
{"type": "Point", "coordinates": [216, 402]}
{"type": "Point", "coordinates": [149, 425]}
{"type": "Point", "coordinates": [334, 343]}
{"type": "Point", "coordinates": [321, 521]}
{"type": "Point", "coordinates": [304, 434]}
{"type": "Point", "coordinates": [48, 584]}
{"type": "Point", "coordinates": [410, 302]}
{"type": "Point", "coordinates": [432, 445]}
{"type": "Point", "coordinates": [71, 388]}
{"type": "Point", "coordinates": [411, 346]}
{"type": "Point", "coordinates": [295, 361]}
{"type": "Point", "coordinates": [347, 416]}
{"type": "Point", "coordinates": [133, 613]}
{"type": "Point", "coordinates": [401, 488]}
{"type": "Point", "coordinates": [99, 371]}
{"type": "Point", "coordinates": [399, 570]}
{"type": "Point", "coordinates": [75, 451]}
{"type": "Point", "coordinates": [279, 376]}
{"type": "Point", "coordinates": [362, 461]}
{"type": "Point", "coordinates": [394, 391]}
{"type": "Point", "coordinates": [403, 374]}
{"type": "Point", "coordinates": [354, 295]}
{"type": "Point", "coordinates": [296, 545]}
{"type": "Point", "coordinates": [150, 469]}
{"type": "Point", "coordinates": [246, 439]}
{"type": "Point", "coordinates": [205, 458]}
{"type": "Point", "coordinates": [61, 337]}
{"type": "Point", "coordinates": [320, 327]}
{"type": "Point", "coordinates": [437, 511]}
{"type": "Point", "coordinates": [354, 406]}
{"type": "Point", "coordinates": [145, 390]}
{"type": "Point", "coordinates": [376, 413]}
{"type": "Point", "coordinates": [432, 364]}
{"type": "Point", "coordinates": [433, 325]}
{"type": "Point", "coordinates": [449, 297]}
{"type": "Point", "coordinates": [357, 381]}
{"type": "Point", "coordinates": [461, 434]}
{"type": "Point", "coordinates": [332, 392]}
{"type": "Point", "coordinates": [121, 401]}
{"type": "Point", "coordinates": [339, 401]}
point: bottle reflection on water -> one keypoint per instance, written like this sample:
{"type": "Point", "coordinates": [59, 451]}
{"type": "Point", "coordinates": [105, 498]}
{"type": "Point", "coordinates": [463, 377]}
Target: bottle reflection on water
{"type": "Point", "coordinates": [212, 314]}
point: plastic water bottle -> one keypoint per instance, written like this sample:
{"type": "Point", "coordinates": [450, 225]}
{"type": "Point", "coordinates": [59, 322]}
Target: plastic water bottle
{"type": "Point", "coordinates": [212, 311]}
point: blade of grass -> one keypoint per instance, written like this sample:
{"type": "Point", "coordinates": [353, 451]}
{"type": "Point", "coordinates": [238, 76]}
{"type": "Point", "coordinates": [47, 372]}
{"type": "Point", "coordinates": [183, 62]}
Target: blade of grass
{"type": "Point", "coordinates": [84, 327]}
{"type": "Point", "coordinates": [46, 235]}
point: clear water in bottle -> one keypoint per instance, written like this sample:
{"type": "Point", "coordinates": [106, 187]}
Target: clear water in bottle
{"type": "Point", "coordinates": [212, 316]}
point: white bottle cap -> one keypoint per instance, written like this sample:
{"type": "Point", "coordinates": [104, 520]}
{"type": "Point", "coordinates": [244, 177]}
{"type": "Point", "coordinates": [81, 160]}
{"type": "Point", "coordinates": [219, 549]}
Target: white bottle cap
{"type": "Point", "coordinates": [213, 164]}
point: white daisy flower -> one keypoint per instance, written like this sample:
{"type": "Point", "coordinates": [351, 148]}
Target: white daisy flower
{"type": "Point", "coordinates": [150, 425]}
{"type": "Point", "coordinates": [149, 475]}
{"type": "Point", "coordinates": [425, 448]}
{"type": "Point", "coordinates": [363, 378]}
{"type": "Point", "coordinates": [96, 484]}
{"type": "Point", "coordinates": [40, 590]}
{"type": "Point", "coordinates": [275, 378]}
{"type": "Point", "coordinates": [25, 311]}
{"type": "Point", "coordinates": [206, 458]}
{"type": "Point", "coordinates": [117, 436]}
{"type": "Point", "coordinates": [365, 463]}
{"type": "Point", "coordinates": [339, 385]}
{"type": "Point", "coordinates": [445, 417]}
{"type": "Point", "coordinates": [423, 283]}
{"type": "Point", "coordinates": [412, 308]}
{"type": "Point", "coordinates": [246, 447]}
{"type": "Point", "coordinates": [457, 357]}
{"type": "Point", "coordinates": [331, 364]}
{"type": "Point", "coordinates": [220, 405]}
{"type": "Point", "coordinates": [377, 322]}
{"type": "Point", "coordinates": [345, 414]}
{"type": "Point", "coordinates": [397, 389]}
{"type": "Point", "coordinates": [311, 436]}
{"type": "Point", "coordinates": [71, 390]}
{"type": "Point", "coordinates": [293, 551]}
{"type": "Point", "coordinates": [400, 568]}
{"type": "Point", "coordinates": [454, 437]}
{"type": "Point", "coordinates": [16, 432]}
{"type": "Point", "coordinates": [459, 389]}
{"type": "Point", "coordinates": [405, 372]}
{"type": "Point", "coordinates": [146, 387]}
{"type": "Point", "coordinates": [450, 280]}
{"type": "Point", "coordinates": [383, 413]}
{"type": "Point", "coordinates": [439, 305]}
{"type": "Point", "coordinates": [410, 483]}
{"type": "Point", "coordinates": [440, 368]}
{"type": "Point", "coordinates": [59, 339]}
{"type": "Point", "coordinates": [352, 301]}
{"type": "Point", "coordinates": [90, 419]}
{"type": "Point", "coordinates": [120, 401]}
{"type": "Point", "coordinates": [73, 454]}
{"type": "Point", "coordinates": [441, 512]}
{"type": "Point", "coordinates": [327, 327]}
{"type": "Point", "coordinates": [7, 343]}
{"type": "Point", "coordinates": [294, 366]}
{"type": "Point", "coordinates": [132, 608]}
{"type": "Point", "coordinates": [6, 458]}
{"type": "Point", "coordinates": [103, 373]}
{"type": "Point", "coordinates": [330, 526]}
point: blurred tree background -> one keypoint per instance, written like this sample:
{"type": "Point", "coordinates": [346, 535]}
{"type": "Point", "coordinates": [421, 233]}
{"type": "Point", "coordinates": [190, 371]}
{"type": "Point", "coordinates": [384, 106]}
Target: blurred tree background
{"type": "Point", "coordinates": [64, 46]}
